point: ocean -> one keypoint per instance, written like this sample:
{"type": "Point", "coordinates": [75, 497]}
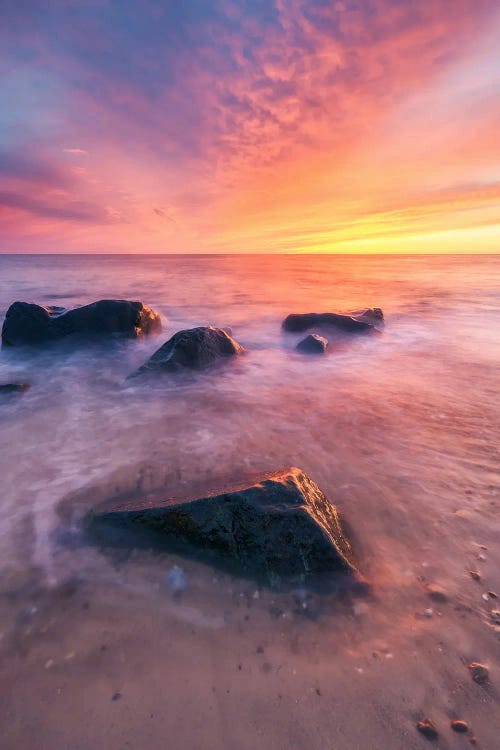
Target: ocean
{"type": "Point", "coordinates": [400, 430]}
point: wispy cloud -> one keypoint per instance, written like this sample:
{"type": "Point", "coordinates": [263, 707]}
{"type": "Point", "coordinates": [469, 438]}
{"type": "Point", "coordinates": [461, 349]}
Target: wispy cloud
{"type": "Point", "coordinates": [77, 211]}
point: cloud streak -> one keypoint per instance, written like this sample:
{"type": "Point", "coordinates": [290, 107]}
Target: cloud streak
{"type": "Point", "coordinates": [74, 211]}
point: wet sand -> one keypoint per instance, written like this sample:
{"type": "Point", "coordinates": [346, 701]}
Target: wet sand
{"type": "Point", "coordinates": [128, 663]}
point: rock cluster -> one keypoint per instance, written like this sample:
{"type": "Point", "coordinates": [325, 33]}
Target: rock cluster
{"type": "Point", "coordinates": [280, 525]}
{"type": "Point", "coordinates": [27, 324]}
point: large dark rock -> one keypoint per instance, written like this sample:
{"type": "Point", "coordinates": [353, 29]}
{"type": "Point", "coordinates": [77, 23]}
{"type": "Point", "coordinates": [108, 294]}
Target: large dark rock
{"type": "Point", "coordinates": [312, 344]}
{"type": "Point", "coordinates": [282, 525]}
{"type": "Point", "coordinates": [29, 324]}
{"type": "Point", "coordinates": [363, 321]}
{"type": "Point", "coordinates": [193, 349]}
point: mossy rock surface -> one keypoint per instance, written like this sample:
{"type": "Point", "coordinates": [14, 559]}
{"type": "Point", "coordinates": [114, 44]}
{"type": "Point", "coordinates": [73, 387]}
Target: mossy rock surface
{"type": "Point", "coordinates": [281, 525]}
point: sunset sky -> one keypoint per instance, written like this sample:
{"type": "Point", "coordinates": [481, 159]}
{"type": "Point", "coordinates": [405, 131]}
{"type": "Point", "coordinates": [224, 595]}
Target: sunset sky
{"type": "Point", "coordinates": [249, 126]}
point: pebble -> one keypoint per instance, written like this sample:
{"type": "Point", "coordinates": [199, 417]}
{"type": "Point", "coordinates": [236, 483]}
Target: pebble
{"type": "Point", "coordinates": [49, 663]}
{"type": "Point", "coordinates": [427, 728]}
{"type": "Point", "coordinates": [475, 575]}
{"type": "Point", "coordinates": [493, 594]}
{"type": "Point", "coordinates": [458, 725]}
{"type": "Point", "coordinates": [485, 597]}
{"type": "Point", "coordinates": [428, 613]}
{"type": "Point", "coordinates": [481, 557]}
{"type": "Point", "coordinates": [478, 672]}
{"type": "Point", "coordinates": [176, 579]}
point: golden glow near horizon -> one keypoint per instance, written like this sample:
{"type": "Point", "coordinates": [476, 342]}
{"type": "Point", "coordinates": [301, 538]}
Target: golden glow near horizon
{"type": "Point", "coordinates": [298, 127]}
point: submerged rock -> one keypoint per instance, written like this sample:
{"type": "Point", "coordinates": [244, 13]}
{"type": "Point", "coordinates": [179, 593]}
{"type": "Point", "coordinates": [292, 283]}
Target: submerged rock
{"type": "Point", "coordinates": [312, 344]}
{"type": "Point", "coordinates": [29, 324]}
{"type": "Point", "coordinates": [282, 525]}
{"type": "Point", "coordinates": [6, 388]}
{"type": "Point", "coordinates": [360, 322]}
{"type": "Point", "coordinates": [193, 349]}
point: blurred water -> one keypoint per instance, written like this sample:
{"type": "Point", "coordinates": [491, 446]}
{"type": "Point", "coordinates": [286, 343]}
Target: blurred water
{"type": "Point", "coordinates": [400, 430]}
{"type": "Point", "coordinates": [400, 423]}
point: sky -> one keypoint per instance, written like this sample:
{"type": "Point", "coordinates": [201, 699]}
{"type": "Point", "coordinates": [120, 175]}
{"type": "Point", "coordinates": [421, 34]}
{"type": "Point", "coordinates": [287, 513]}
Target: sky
{"type": "Point", "coordinates": [247, 126]}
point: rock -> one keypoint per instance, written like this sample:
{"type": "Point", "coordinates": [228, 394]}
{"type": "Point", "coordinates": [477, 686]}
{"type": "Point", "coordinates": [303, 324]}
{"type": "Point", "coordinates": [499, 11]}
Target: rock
{"type": "Point", "coordinates": [436, 593]}
{"type": "Point", "coordinates": [459, 726]}
{"type": "Point", "coordinates": [281, 525]}
{"type": "Point", "coordinates": [312, 344]}
{"type": "Point", "coordinates": [193, 349]}
{"type": "Point", "coordinates": [7, 388]}
{"type": "Point", "coordinates": [479, 672]}
{"type": "Point", "coordinates": [371, 315]}
{"type": "Point", "coordinates": [475, 575]}
{"type": "Point", "coordinates": [427, 728]}
{"type": "Point", "coordinates": [27, 324]}
{"type": "Point", "coordinates": [360, 322]}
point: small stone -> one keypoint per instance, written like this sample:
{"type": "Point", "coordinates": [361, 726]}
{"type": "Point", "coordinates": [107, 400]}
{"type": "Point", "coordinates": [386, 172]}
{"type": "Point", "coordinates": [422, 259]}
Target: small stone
{"type": "Point", "coordinates": [485, 597]}
{"type": "Point", "coordinates": [427, 728]}
{"type": "Point", "coordinates": [493, 594]}
{"type": "Point", "coordinates": [313, 344]}
{"type": "Point", "coordinates": [436, 593]}
{"type": "Point", "coordinates": [49, 663]}
{"type": "Point", "coordinates": [458, 725]}
{"type": "Point", "coordinates": [428, 613]}
{"type": "Point", "coordinates": [176, 579]}
{"type": "Point", "coordinates": [116, 697]}
{"type": "Point", "coordinates": [475, 575]}
{"type": "Point", "coordinates": [481, 557]}
{"type": "Point", "coordinates": [478, 672]}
